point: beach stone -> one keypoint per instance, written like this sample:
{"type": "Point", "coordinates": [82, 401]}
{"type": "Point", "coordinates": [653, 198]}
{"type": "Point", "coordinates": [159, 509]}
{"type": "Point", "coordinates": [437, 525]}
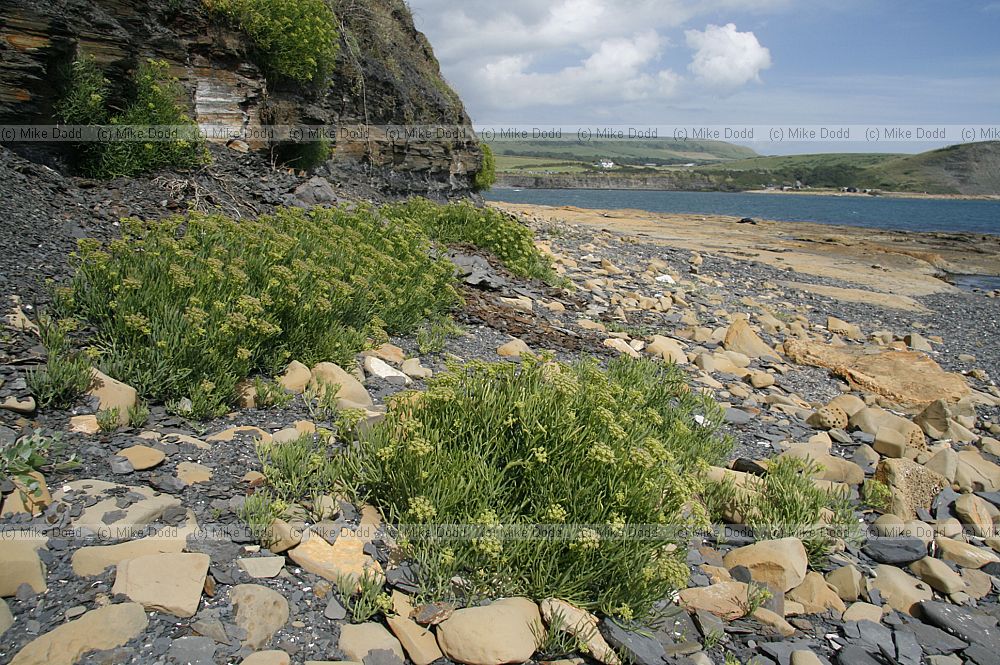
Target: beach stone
{"type": "Point", "coordinates": [345, 557]}
{"type": "Point", "coordinates": [101, 629]}
{"type": "Point", "coordinates": [828, 417]}
{"type": "Point", "coordinates": [741, 338]}
{"type": "Point", "coordinates": [282, 536]}
{"type": "Point", "coordinates": [863, 612]}
{"type": "Point", "coordinates": [389, 353]}
{"type": "Point", "coordinates": [506, 631]}
{"type": "Point", "coordinates": [25, 499]}
{"type": "Point", "coordinates": [272, 657]}
{"type": "Point", "coordinates": [977, 583]}
{"type": "Point", "coordinates": [965, 555]}
{"type": "Point", "coordinates": [358, 640]}
{"type": "Point", "coordinates": [774, 621]}
{"type": "Point", "coordinates": [192, 650]}
{"type": "Point", "coordinates": [24, 407]}
{"type": "Point", "coordinates": [635, 648]}
{"type": "Point", "coordinates": [351, 393]}
{"type": "Point", "coordinates": [849, 404]}
{"type": "Point", "coordinates": [514, 349]}
{"type": "Point", "coordinates": [580, 624]}
{"type": "Point", "coordinates": [260, 611]}
{"type": "Point", "coordinates": [296, 377]}
{"type": "Point", "coordinates": [939, 420]}
{"type": "Point", "coordinates": [726, 599]}
{"type": "Point", "coordinates": [804, 657]}
{"type": "Point", "coordinates": [816, 595]}
{"type": "Point", "coordinates": [621, 346]}
{"type": "Point", "coordinates": [667, 349]}
{"type": "Point", "coordinates": [85, 424]}
{"type": "Point", "coordinates": [778, 563]}
{"type": "Point", "coordinates": [262, 567]}
{"type": "Point", "coordinates": [6, 618]}
{"type": "Point", "coordinates": [895, 550]}
{"type": "Point", "coordinates": [945, 463]}
{"type": "Point", "coordinates": [112, 394]}
{"type": "Point", "coordinates": [890, 442]}
{"type": "Point", "coordinates": [901, 591]}
{"type": "Point", "coordinates": [418, 642]}
{"type": "Point", "coordinates": [914, 487]}
{"type": "Point", "coordinates": [192, 473]}
{"type": "Point", "coordinates": [976, 473]}
{"type": "Point", "coordinates": [975, 513]}
{"type": "Point", "coordinates": [937, 574]}
{"type": "Point", "coordinates": [413, 369]}
{"type": "Point", "coordinates": [142, 457]}
{"type": "Point", "coordinates": [381, 369]}
{"type": "Point", "coordinates": [847, 581]}
{"type": "Point", "coordinates": [965, 624]}
{"type": "Point", "coordinates": [841, 327]}
{"type": "Point", "coordinates": [95, 559]}
{"type": "Point", "coordinates": [170, 582]}
{"type": "Point", "coordinates": [20, 564]}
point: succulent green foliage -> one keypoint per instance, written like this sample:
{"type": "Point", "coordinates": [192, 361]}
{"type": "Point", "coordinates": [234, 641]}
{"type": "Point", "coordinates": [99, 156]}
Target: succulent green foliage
{"type": "Point", "coordinates": [191, 305]}
{"type": "Point", "coordinates": [509, 240]}
{"type": "Point", "coordinates": [153, 101]}
{"type": "Point", "coordinates": [486, 176]}
{"type": "Point", "coordinates": [537, 446]}
{"type": "Point", "coordinates": [293, 39]}
{"type": "Point", "coordinates": [66, 374]}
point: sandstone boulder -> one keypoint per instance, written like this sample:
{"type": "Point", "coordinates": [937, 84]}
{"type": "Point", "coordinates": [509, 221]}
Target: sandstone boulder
{"type": "Point", "coordinates": [97, 630]}
{"type": "Point", "coordinates": [506, 631]}
{"type": "Point", "coordinates": [778, 563]}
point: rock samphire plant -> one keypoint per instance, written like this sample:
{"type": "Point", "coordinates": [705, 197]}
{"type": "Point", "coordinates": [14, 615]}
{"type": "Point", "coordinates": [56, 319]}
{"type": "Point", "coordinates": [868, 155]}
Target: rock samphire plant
{"type": "Point", "coordinates": [564, 479]}
{"type": "Point", "coordinates": [189, 306]}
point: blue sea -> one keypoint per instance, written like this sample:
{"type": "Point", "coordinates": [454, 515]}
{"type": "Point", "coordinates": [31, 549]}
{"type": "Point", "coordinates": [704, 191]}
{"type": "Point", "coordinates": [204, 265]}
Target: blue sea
{"type": "Point", "coordinates": [947, 215]}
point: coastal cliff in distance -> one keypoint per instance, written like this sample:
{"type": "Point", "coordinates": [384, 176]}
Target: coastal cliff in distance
{"type": "Point", "coordinates": [385, 73]}
{"type": "Point", "coordinates": [971, 169]}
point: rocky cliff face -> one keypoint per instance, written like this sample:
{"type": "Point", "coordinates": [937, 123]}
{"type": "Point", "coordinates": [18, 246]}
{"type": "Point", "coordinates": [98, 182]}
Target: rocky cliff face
{"type": "Point", "coordinates": [386, 73]}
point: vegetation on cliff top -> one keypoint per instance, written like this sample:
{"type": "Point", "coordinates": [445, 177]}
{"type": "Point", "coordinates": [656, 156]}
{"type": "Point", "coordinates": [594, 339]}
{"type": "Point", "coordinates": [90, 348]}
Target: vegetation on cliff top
{"type": "Point", "coordinates": [294, 39]}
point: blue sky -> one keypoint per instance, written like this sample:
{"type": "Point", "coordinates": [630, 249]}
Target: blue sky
{"type": "Point", "coordinates": [722, 62]}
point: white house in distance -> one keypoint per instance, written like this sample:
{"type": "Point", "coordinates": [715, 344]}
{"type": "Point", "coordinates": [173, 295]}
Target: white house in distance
{"type": "Point", "coordinates": [606, 164]}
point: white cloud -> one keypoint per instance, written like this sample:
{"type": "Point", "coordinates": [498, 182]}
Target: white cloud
{"type": "Point", "coordinates": [615, 71]}
{"type": "Point", "coordinates": [726, 58]}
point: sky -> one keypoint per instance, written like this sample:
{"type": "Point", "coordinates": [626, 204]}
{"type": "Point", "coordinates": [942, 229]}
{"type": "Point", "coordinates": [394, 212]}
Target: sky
{"type": "Point", "coordinates": [722, 62]}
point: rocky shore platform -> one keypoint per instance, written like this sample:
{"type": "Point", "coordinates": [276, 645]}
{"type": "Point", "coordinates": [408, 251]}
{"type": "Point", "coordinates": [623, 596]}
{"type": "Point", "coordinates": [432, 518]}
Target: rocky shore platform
{"type": "Point", "coordinates": [839, 345]}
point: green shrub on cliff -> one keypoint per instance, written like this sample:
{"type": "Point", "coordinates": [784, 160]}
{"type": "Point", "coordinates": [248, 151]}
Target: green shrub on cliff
{"type": "Point", "coordinates": [457, 223]}
{"type": "Point", "coordinates": [189, 306]}
{"type": "Point", "coordinates": [152, 101]}
{"type": "Point", "coordinates": [548, 466]}
{"type": "Point", "coordinates": [294, 39]}
{"type": "Point", "coordinates": [486, 177]}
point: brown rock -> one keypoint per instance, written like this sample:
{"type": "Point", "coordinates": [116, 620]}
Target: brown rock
{"type": "Point", "coordinates": [191, 473]}
{"type": "Point", "coordinates": [345, 557]}
{"type": "Point", "coordinates": [30, 496]}
{"type": "Point", "coordinates": [741, 338]}
{"type": "Point", "coordinates": [863, 612]}
{"type": "Point", "coordinates": [904, 377]}
{"type": "Point", "coordinates": [775, 621]}
{"type": "Point", "coordinates": [260, 611]}
{"type": "Point", "coordinates": [170, 582]}
{"type": "Point", "coordinates": [668, 349]}
{"type": "Point", "coordinates": [974, 512]}
{"type": "Point", "coordinates": [296, 377]}
{"type": "Point", "coordinates": [913, 485]}
{"type": "Point", "coordinates": [357, 640]}
{"type": "Point", "coordinates": [816, 595]}
{"type": "Point", "coordinates": [95, 559]}
{"type": "Point", "coordinates": [112, 394]}
{"type": "Point", "coordinates": [142, 457]}
{"type": "Point", "coordinates": [847, 581]}
{"type": "Point", "coordinates": [419, 642]}
{"type": "Point", "coordinates": [267, 658]}
{"type": "Point", "coordinates": [728, 600]}
{"type": "Point", "coordinates": [20, 564]}
{"type": "Point", "coordinates": [937, 573]}
{"type": "Point", "coordinates": [506, 631]}
{"type": "Point", "coordinates": [901, 591]}
{"type": "Point", "coordinates": [580, 624]}
{"type": "Point", "coordinates": [964, 554]}
{"type": "Point", "coordinates": [98, 630]}
{"type": "Point", "coordinates": [778, 563]}
{"type": "Point", "coordinates": [514, 349]}
{"type": "Point", "coordinates": [351, 393]}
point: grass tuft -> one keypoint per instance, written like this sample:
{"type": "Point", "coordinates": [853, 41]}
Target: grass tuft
{"type": "Point", "coordinates": [66, 374]}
